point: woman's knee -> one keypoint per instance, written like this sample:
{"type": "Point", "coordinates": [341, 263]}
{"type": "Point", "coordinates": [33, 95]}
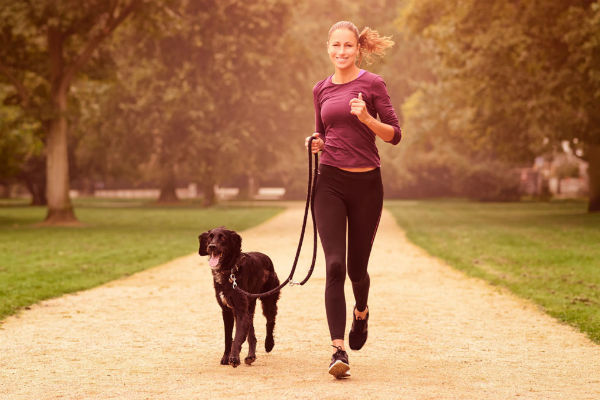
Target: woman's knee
{"type": "Point", "coordinates": [336, 271]}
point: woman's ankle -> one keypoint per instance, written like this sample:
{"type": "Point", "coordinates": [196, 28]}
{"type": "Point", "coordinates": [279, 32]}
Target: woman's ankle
{"type": "Point", "coordinates": [361, 314]}
{"type": "Point", "coordinates": [338, 344]}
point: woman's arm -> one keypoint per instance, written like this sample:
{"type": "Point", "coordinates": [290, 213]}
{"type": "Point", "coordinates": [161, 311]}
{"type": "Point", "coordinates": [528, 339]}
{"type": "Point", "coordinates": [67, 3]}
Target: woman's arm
{"type": "Point", "coordinates": [358, 107]}
{"type": "Point", "coordinates": [388, 128]}
{"type": "Point", "coordinates": [318, 144]}
{"type": "Point", "coordinates": [384, 131]}
{"type": "Point", "coordinates": [319, 127]}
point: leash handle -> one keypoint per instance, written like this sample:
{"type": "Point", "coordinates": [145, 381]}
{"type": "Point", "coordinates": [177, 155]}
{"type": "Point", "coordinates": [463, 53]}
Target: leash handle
{"type": "Point", "coordinates": [310, 201]}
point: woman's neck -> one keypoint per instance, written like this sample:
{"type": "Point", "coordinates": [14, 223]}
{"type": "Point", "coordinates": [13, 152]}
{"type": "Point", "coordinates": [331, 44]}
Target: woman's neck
{"type": "Point", "coordinates": [345, 75]}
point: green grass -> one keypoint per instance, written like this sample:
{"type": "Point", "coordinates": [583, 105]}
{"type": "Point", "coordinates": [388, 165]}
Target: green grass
{"type": "Point", "coordinates": [118, 239]}
{"type": "Point", "coordinates": [545, 252]}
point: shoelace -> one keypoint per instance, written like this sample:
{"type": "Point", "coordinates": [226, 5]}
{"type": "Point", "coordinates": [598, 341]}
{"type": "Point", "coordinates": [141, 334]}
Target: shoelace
{"type": "Point", "coordinates": [339, 348]}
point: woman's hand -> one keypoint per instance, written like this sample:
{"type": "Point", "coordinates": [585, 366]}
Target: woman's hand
{"type": "Point", "coordinates": [359, 108]}
{"type": "Point", "coordinates": [317, 144]}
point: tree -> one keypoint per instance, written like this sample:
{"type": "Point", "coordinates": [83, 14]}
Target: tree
{"type": "Point", "coordinates": [109, 138]}
{"type": "Point", "coordinates": [519, 77]}
{"type": "Point", "coordinates": [213, 90]}
{"type": "Point", "coordinates": [47, 45]}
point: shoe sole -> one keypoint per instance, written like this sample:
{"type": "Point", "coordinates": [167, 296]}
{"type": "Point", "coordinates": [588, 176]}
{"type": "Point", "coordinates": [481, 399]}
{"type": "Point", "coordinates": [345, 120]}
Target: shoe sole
{"type": "Point", "coordinates": [354, 346]}
{"type": "Point", "coordinates": [340, 370]}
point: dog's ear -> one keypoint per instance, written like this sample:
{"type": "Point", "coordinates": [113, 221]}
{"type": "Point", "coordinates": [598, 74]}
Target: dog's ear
{"type": "Point", "coordinates": [203, 239]}
{"type": "Point", "coordinates": [236, 242]}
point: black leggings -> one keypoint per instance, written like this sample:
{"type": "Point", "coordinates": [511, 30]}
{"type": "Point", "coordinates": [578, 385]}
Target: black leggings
{"type": "Point", "coordinates": [355, 198]}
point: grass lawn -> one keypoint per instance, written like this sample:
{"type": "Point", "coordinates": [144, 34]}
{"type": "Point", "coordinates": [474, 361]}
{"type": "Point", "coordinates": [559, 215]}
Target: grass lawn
{"type": "Point", "coordinates": [120, 238]}
{"type": "Point", "coordinates": [546, 252]}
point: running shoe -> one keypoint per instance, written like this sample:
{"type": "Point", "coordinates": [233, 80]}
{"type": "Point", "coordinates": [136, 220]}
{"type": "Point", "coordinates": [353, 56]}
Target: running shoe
{"type": "Point", "coordinates": [359, 331]}
{"type": "Point", "coordinates": [339, 367]}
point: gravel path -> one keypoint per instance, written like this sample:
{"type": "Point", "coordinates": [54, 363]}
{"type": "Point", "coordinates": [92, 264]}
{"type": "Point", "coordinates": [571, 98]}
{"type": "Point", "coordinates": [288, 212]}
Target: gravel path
{"type": "Point", "coordinates": [434, 333]}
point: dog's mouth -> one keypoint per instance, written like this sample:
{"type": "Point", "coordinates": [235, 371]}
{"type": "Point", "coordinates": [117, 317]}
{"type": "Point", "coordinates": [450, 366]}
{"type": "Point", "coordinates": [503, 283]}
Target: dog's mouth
{"type": "Point", "coordinates": [214, 259]}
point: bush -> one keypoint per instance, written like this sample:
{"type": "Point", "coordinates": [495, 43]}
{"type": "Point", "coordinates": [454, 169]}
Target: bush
{"type": "Point", "coordinates": [490, 181]}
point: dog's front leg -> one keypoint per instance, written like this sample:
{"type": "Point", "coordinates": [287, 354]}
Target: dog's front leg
{"type": "Point", "coordinates": [241, 332]}
{"type": "Point", "coordinates": [251, 335]}
{"type": "Point", "coordinates": [228, 325]}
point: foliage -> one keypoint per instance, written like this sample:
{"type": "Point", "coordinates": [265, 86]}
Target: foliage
{"type": "Point", "coordinates": [199, 88]}
{"type": "Point", "coordinates": [18, 142]}
{"type": "Point", "coordinates": [490, 181]}
{"type": "Point", "coordinates": [102, 138]}
{"type": "Point", "coordinates": [188, 84]}
{"type": "Point", "coordinates": [546, 252]}
{"type": "Point", "coordinates": [513, 79]}
{"type": "Point", "coordinates": [567, 169]}
{"type": "Point", "coordinates": [48, 45]}
{"type": "Point", "coordinates": [21, 150]}
{"type": "Point", "coordinates": [219, 92]}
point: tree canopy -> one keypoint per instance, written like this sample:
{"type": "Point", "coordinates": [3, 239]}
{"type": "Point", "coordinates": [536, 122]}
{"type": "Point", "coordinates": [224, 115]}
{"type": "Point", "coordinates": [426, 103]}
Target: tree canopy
{"type": "Point", "coordinates": [162, 93]}
{"type": "Point", "coordinates": [512, 79]}
{"type": "Point", "coordinates": [47, 46]}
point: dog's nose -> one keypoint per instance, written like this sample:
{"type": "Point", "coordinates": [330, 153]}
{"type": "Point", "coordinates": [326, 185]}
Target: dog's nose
{"type": "Point", "coordinates": [211, 246]}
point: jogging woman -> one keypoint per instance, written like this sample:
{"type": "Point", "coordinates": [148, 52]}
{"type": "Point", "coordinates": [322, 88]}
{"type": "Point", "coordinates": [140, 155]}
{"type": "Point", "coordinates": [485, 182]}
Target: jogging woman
{"type": "Point", "coordinates": [349, 190]}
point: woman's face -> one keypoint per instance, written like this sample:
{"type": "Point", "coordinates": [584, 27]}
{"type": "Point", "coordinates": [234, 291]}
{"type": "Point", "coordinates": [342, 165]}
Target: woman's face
{"type": "Point", "coordinates": [342, 48]}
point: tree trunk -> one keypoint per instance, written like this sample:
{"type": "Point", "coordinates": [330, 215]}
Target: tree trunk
{"type": "Point", "coordinates": [251, 187]}
{"type": "Point", "coordinates": [208, 192]}
{"type": "Point", "coordinates": [247, 188]}
{"type": "Point", "coordinates": [38, 193]}
{"type": "Point", "coordinates": [87, 187]}
{"type": "Point", "coordinates": [5, 190]}
{"type": "Point", "coordinates": [167, 186]}
{"type": "Point", "coordinates": [593, 158]}
{"type": "Point", "coordinates": [33, 175]}
{"type": "Point", "coordinates": [60, 210]}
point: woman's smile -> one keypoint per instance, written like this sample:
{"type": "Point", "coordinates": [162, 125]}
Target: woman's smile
{"type": "Point", "coordinates": [342, 48]}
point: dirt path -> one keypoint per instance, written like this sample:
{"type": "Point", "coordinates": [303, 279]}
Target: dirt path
{"type": "Point", "coordinates": [434, 334]}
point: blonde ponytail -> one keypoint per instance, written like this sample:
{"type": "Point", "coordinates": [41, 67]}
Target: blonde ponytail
{"type": "Point", "coordinates": [372, 45]}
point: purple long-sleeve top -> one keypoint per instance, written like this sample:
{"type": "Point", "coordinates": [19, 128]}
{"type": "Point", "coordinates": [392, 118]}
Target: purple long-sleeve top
{"type": "Point", "coordinates": [348, 142]}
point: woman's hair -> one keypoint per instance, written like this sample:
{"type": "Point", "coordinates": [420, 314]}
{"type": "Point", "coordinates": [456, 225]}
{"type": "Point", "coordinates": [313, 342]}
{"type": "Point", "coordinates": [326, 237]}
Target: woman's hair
{"type": "Point", "coordinates": [371, 44]}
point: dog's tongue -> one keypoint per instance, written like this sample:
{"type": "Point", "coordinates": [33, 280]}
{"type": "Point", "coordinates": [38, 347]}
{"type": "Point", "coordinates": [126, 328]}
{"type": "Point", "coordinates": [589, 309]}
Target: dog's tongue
{"type": "Point", "coordinates": [214, 260]}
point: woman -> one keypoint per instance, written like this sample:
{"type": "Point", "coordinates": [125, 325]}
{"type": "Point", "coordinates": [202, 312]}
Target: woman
{"type": "Point", "coordinates": [349, 189]}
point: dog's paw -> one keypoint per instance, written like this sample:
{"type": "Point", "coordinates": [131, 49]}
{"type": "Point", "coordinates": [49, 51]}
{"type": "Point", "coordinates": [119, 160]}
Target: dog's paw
{"type": "Point", "coordinates": [225, 359]}
{"type": "Point", "coordinates": [269, 343]}
{"type": "Point", "coordinates": [234, 361]}
{"type": "Point", "coordinates": [249, 360]}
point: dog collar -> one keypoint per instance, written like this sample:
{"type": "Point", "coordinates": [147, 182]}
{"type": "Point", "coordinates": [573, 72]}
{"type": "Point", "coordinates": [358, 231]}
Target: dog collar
{"type": "Point", "coordinates": [234, 270]}
{"type": "Point", "coordinates": [232, 273]}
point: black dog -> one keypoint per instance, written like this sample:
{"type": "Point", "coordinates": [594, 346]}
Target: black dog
{"type": "Point", "coordinates": [254, 273]}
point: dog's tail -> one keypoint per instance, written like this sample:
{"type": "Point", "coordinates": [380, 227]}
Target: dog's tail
{"type": "Point", "coordinates": [269, 307]}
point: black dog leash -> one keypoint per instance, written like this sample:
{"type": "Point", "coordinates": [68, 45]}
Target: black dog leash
{"type": "Point", "coordinates": [310, 199]}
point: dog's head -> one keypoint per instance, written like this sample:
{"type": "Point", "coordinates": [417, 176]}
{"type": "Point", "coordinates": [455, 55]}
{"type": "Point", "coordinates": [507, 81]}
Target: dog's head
{"type": "Point", "coordinates": [222, 245]}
